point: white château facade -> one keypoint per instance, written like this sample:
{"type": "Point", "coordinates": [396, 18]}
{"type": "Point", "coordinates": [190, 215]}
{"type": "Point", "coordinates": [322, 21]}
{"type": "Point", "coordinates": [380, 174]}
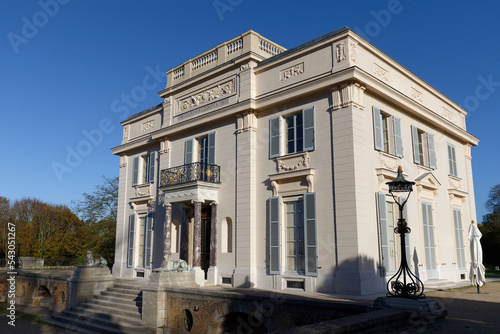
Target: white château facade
{"type": "Point", "coordinates": [266, 168]}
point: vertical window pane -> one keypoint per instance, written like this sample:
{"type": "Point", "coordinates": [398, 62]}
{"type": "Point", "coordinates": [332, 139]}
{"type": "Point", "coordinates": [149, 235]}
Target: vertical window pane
{"type": "Point", "coordinates": [385, 133]}
{"type": "Point", "coordinates": [142, 227]}
{"type": "Point", "coordinates": [299, 133]}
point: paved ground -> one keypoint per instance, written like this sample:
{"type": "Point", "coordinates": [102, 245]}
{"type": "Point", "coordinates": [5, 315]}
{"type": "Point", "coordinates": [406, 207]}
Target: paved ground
{"type": "Point", "coordinates": [468, 312]}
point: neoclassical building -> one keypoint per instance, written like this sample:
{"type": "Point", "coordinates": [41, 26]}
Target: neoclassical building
{"type": "Point", "coordinates": [267, 168]}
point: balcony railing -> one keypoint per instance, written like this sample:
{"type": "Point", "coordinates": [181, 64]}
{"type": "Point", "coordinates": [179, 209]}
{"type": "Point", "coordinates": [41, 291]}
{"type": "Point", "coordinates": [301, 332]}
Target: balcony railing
{"type": "Point", "coordinates": [196, 171]}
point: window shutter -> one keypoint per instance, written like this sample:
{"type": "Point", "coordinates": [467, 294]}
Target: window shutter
{"type": "Point", "coordinates": [383, 229]}
{"type": "Point", "coordinates": [310, 234]}
{"type": "Point", "coordinates": [131, 237]}
{"type": "Point", "coordinates": [211, 148]}
{"type": "Point", "coordinates": [416, 149]}
{"type": "Point", "coordinates": [431, 151]}
{"type": "Point", "coordinates": [452, 160]}
{"type": "Point", "coordinates": [151, 168]}
{"type": "Point", "coordinates": [148, 235]}
{"type": "Point", "coordinates": [377, 129]}
{"type": "Point", "coordinates": [308, 128]}
{"type": "Point", "coordinates": [398, 142]}
{"type": "Point", "coordinates": [457, 218]}
{"type": "Point", "coordinates": [135, 171]}
{"type": "Point", "coordinates": [274, 236]}
{"type": "Point", "coordinates": [188, 152]}
{"type": "Point", "coordinates": [274, 137]}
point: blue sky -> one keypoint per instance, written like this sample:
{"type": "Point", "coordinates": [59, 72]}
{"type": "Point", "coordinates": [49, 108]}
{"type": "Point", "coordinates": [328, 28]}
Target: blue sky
{"type": "Point", "coordinates": [72, 70]}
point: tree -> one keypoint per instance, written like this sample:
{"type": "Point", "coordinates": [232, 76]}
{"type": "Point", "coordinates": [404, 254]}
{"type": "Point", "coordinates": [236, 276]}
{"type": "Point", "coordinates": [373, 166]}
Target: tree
{"type": "Point", "coordinates": [98, 211]}
{"type": "Point", "coordinates": [493, 202]}
{"type": "Point", "coordinates": [4, 220]}
{"type": "Point", "coordinates": [101, 204]}
{"type": "Point", "coordinates": [490, 229]}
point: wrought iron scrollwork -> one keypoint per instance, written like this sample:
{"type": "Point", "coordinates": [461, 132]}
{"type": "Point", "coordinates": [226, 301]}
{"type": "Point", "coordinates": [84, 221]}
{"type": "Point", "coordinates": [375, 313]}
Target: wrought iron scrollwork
{"type": "Point", "coordinates": [196, 171]}
{"type": "Point", "coordinates": [404, 283]}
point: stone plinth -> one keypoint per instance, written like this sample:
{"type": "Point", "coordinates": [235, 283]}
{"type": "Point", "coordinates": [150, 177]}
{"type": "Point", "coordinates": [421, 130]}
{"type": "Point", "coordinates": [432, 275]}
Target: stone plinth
{"type": "Point", "coordinates": [422, 308]}
{"type": "Point", "coordinates": [87, 282]}
{"type": "Point", "coordinates": [154, 295]}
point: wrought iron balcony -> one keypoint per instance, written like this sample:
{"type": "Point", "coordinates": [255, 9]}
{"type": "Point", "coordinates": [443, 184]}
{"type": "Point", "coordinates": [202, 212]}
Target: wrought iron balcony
{"type": "Point", "coordinates": [196, 171]}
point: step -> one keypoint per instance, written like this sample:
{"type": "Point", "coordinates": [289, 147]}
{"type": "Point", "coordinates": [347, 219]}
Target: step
{"type": "Point", "coordinates": [114, 321]}
{"type": "Point", "coordinates": [96, 325]}
{"type": "Point", "coordinates": [112, 314]}
{"type": "Point", "coordinates": [115, 309]}
{"type": "Point", "coordinates": [120, 297]}
{"type": "Point", "coordinates": [124, 304]}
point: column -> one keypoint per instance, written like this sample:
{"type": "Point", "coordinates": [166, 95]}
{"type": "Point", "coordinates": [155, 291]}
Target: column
{"type": "Point", "coordinates": [197, 235]}
{"type": "Point", "coordinates": [213, 235]}
{"type": "Point", "coordinates": [167, 239]}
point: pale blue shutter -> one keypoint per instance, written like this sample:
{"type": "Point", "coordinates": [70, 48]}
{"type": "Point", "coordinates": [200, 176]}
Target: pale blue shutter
{"type": "Point", "coordinates": [274, 137]}
{"type": "Point", "coordinates": [416, 148]}
{"type": "Point", "coordinates": [148, 240]}
{"type": "Point", "coordinates": [431, 151]}
{"type": "Point", "coordinates": [398, 142]}
{"type": "Point", "coordinates": [188, 152]}
{"type": "Point", "coordinates": [151, 168]}
{"type": "Point", "coordinates": [452, 160]}
{"type": "Point", "coordinates": [274, 236]}
{"type": "Point", "coordinates": [459, 240]}
{"type": "Point", "coordinates": [131, 237]}
{"type": "Point", "coordinates": [211, 148]}
{"type": "Point", "coordinates": [135, 171]}
{"type": "Point", "coordinates": [383, 230]}
{"type": "Point", "coordinates": [377, 129]}
{"type": "Point", "coordinates": [310, 234]}
{"type": "Point", "coordinates": [308, 128]}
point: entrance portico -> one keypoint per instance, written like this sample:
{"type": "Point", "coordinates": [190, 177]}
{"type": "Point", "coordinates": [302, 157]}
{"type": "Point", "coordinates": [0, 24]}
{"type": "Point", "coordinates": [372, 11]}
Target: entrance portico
{"type": "Point", "coordinates": [196, 210]}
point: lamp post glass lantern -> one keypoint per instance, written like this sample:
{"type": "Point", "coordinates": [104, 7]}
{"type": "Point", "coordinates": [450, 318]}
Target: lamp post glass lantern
{"type": "Point", "coordinates": [404, 283]}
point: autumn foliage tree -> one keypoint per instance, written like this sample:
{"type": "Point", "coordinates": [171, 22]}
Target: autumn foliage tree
{"type": "Point", "coordinates": [43, 230]}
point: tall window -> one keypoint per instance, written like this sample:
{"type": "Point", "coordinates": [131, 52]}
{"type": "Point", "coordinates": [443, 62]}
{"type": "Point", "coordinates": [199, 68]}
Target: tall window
{"type": "Point", "coordinates": [143, 169]}
{"type": "Point", "coordinates": [139, 252]}
{"type": "Point", "coordinates": [387, 132]}
{"type": "Point", "coordinates": [389, 241]}
{"type": "Point", "coordinates": [296, 231]}
{"type": "Point", "coordinates": [292, 134]}
{"type": "Point", "coordinates": [294, 214]}
{"type": "Point", "coordinates": [204, 146]}
{"type": "Point", "coordinates": [423, 147]}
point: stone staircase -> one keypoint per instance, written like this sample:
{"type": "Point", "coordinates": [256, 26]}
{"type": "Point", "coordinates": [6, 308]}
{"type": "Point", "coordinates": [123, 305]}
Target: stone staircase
{"type": "Point", "coordinates": [116, 310]}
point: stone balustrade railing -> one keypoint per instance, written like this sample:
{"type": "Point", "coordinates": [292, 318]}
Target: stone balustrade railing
{"type": "Point", "coordinates": [248, 42]}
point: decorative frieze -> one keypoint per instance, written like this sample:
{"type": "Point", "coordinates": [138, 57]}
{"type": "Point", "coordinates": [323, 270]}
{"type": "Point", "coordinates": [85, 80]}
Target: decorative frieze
{"type": "Point", "coordinates": [143, 190]}
{"type": "Point", "coordinates": [416, 95]}
{"type": "Point", "coordinates": [148, 125]}
{"type": "Point", "coordinates": [208, 95]}
{"type": "Point", "coordinates": [353, 51]}
{"type": "Point", "coordinates": [125, 132]}
{"type": "Point", "coordinates": [340, 52]}
{"type": "Point", "coordinates": [381, 73]}
{"type": "Point", "coordinates": [294, 162]}
{"type": "Point", "coordinates": [292, 71]}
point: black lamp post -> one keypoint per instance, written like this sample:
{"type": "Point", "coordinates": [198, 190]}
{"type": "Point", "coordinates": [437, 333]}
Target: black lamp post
{"type": "Point", "coordinates": [404, 283]}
